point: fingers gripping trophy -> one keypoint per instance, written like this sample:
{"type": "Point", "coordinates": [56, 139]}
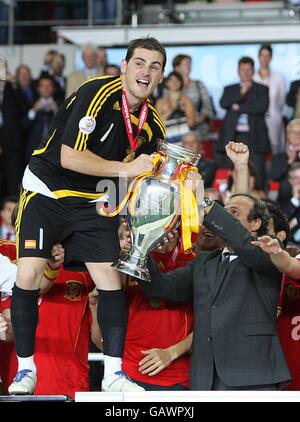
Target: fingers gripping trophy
{"type": "Point", "coordinates": [159, 202]}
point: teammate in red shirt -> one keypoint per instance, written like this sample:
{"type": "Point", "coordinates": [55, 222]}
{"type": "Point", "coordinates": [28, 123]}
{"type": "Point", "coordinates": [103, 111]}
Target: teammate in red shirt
{"type": "Point", "coordinates": [160, 324]}
{"type": "Point", "coordinates": [62, 338]}
{"type": "Point", "coordinates": [288, 327]}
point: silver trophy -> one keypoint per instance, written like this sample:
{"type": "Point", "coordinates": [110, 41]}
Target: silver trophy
{"type": "Point", "coordinates": [155, 210]}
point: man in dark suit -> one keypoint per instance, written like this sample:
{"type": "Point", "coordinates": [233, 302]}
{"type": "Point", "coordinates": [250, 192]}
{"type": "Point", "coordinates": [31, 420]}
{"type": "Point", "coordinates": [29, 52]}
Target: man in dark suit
{"type": "Point", "coordinates": [235, 345]}
{"type": "Point", "coordinates": [292, 98]}
{"type": "Point", "coordinates": [246, 104]}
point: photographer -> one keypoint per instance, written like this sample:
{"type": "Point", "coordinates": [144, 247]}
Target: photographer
{"type": "Point", "coordinates": [40, 115]}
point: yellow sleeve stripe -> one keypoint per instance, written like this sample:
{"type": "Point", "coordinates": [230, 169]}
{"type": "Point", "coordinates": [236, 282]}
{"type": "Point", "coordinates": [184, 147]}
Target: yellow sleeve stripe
{"type": "Point", "coordinates": [100, 93]}
{"type": "Point", "coordinates": [155, 112]}
{"type": "Point", "coordinates": [146, 127]}
{"type": "Point", "coordinates": [73, 99]}
{"type": "Point", "coordinates": [81, 138]}
{"type": "Point", "coordinates": [40, 151]}
{"type": "Point", "coordinates": [162, 128]}
{"type": "Point", "coordinates": [96, 78]}
{"type": "Point", "coordinates": [62, 193]}
{"type": "Point", "coordinates": [84, 139]}
{"type": "Point", "coordinates": [108, 94]}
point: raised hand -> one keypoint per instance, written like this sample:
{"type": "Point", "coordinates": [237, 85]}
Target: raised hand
{"type": "Point", "coordinates": [238, 153]}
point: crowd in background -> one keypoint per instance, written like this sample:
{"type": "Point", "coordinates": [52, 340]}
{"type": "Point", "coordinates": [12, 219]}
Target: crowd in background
{"type": "Point", "coordinates": [253, 107]}
{"type": "Point", "coordinates": [254, 116]}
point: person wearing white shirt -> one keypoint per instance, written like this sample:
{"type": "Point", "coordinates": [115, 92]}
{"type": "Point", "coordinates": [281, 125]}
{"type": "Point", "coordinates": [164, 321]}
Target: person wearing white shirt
{"type": "Point", "coordinates": [277, 94]}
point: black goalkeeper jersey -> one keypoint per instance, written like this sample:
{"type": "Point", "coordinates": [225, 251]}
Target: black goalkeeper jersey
{"type": "Point", "coordinates": [91, 119]}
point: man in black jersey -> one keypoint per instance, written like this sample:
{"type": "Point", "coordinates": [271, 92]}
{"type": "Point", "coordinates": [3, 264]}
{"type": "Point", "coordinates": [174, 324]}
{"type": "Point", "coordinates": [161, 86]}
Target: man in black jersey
{"type": "Point", "coordinates": [105, 129]}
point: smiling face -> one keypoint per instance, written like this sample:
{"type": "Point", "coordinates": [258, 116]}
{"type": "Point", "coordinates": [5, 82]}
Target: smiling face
{"type": "Point", "coordinates": [141, 74]}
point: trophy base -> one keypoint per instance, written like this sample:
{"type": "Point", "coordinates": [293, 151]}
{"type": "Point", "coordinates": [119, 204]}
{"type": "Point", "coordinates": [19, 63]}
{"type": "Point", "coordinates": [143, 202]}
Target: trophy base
{"type": "Point", "coordinates": [132, 269]}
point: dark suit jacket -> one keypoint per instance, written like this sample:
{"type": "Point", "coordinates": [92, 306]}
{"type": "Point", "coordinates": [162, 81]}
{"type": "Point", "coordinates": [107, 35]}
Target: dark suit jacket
{"type": "Point", "coordinates": [234, 310]}
{"type": "Point", "coordinates": [291, 97]}
{"type": "Point", "coordinates": [255, 103]}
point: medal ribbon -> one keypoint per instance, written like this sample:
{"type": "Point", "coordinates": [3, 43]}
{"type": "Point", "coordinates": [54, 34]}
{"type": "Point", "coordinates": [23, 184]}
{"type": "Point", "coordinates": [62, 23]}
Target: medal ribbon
{"type": "Point", "coordinates": [126, 116]}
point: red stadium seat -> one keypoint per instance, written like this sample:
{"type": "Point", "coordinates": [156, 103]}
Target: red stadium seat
{"type": "Point", "coordinates": [221, 177]}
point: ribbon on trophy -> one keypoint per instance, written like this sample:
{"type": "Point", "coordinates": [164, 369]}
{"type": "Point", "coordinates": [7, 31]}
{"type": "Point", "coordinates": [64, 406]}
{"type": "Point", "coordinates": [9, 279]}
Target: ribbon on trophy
{"type": "Point", "coordinates": [189, 209]}
{"type": "Point", "coordinates": [132, 190]}
{"type": "Point", "coordinates": [188, 203]}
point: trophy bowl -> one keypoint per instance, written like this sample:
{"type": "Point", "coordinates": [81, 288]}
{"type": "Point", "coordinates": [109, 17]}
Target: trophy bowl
{"type": "Point", "coordinates": [155, 209]}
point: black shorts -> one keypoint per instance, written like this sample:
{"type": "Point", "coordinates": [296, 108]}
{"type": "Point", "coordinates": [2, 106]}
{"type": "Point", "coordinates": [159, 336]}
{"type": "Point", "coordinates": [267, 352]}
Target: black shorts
{"type": "Point", "coordinates": [74, 222]}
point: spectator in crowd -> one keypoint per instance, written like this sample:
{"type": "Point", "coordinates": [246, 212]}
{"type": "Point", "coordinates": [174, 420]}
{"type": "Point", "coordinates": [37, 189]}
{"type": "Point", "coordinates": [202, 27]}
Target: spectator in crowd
{"type": "Point", "coordinates": [56, 72]}
{"type": "Point", "coordinates": [176, 109]}
{"type": "Point", "coordinates": [293, 98]}
{"type": "Point", "coordinates": [48, 57]}
{"type": "Point", "coordinates": [11, 142]}
{"type": "Point", "coordinates": [7, 230]}
{"type": "Point", "coordinates": [231, 343]}
{"type": "Point", "coordinates": [91, 70]}
{"type": "Point", "coordinates": [40, 115]}
{"type": "Point", "coordinates": [246, 104]}
{"type": "Point", "coordinates": [206, 168]}
{"type": "Point", "coordinates": [291, 206]}
{"type": "Point", "coordinates": [274, 115]}
{"type": "Point", "coordinates": [112, 70]}
{"type": "Point", "coordinates": [196, 91]}
{"type": "Point", "coordinates": [25, 86]}
{"type": "Point", "coordinates": [102, 60]}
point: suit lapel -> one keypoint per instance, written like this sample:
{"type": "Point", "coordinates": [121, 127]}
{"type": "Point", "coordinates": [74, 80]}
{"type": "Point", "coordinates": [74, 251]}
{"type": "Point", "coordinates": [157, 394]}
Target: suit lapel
{"type": "Point", "coordinates": [221, 273]}
{"type": "Point", "coordinates": [211, 267]}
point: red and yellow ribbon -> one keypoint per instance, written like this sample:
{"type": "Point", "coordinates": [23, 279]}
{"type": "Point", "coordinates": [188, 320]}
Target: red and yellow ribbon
{"type": "Point", "coordinates": [189, 208]}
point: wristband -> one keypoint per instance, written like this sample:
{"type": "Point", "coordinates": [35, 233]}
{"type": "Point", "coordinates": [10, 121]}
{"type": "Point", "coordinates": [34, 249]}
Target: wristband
{"type": "Point", "coordinates": [50, 273]}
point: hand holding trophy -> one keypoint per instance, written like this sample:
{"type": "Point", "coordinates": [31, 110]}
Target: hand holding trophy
{"type": "Point", "coordinates": [158, 202]}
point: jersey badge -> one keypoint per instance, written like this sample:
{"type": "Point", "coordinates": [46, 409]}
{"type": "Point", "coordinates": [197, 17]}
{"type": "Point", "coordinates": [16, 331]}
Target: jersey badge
{"type": "Point", "coordinates": [87, 124]}
{"type": "Point", "coordinates": [30, 244]}
{"type": "Point", "coordinates": [73, 290]}
{"type": "Point", "coordinates": [116, 106]}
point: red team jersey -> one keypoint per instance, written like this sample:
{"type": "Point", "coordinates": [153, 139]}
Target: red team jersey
{"type": "Point", "coordinates": [288, 326]}
{"type": "Point", "coordinates": [8, 248]}
{"type": "Point", "coordinates": [157, 323]}
{"type": "Point", "coordinates": [62, 338]}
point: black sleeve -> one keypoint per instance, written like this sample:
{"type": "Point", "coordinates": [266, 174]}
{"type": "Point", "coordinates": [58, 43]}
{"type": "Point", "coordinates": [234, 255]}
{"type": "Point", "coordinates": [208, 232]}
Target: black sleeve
{"type": "Point", "coordinates": [292, 94]}
{"type": "Point", "coordinates": [257, 101]}
{"type": "Point", "coordinates": [231, 95]}
{"type": "Point", "coordinates": [238, 238]}
{"type": "Point", "coordinates": [175, 285]}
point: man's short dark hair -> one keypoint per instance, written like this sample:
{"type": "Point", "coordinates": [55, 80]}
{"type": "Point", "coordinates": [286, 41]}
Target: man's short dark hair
{"type": "Point", "coordinates": [149, 43]}
{"type": "Point", "coordinates": [178, 59]}
{"type": "Point", "coordinates": [280, 220]}
{"type": "Point", "coordinates": [178, 76]}
{"type": "Point", "coordinates": [246, 60]}
{"type": "Point", "coordinates": [11, 198]}
{"type": "Point", "coordinates": [294, 167]}
{"type": "Point", "coordinates": [265, 47]}
{"type": "Point", "coordinates": [46, 77]}
{"type": "Point", "coordinates": [260, 211]}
